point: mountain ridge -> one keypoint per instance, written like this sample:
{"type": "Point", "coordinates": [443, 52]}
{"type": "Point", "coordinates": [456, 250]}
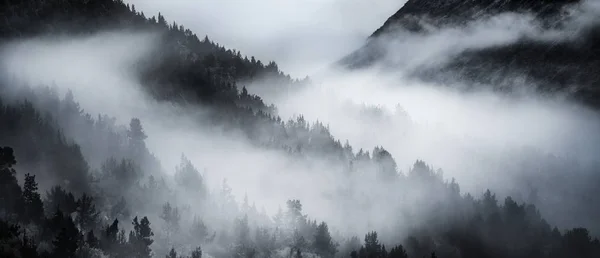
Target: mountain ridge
{"type": "Point", "coordinates": [456, 11]}
{"type": "Point", "coordinates": [559, 67]}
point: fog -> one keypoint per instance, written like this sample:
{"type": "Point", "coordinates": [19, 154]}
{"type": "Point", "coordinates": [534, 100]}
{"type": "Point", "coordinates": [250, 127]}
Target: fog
{"type": "Point", "coordinates": [482, 137]}
{"type": "Point", "coordinates": [473, 137]}
{"type": "Point", "coordinates": [103, 80]}
{"type": "Point", "coordinates": [302, 36]}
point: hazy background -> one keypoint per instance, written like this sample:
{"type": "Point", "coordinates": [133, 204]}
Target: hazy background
{"type": "Point", "coordinates": [302, 36]}
{"type": "Point", "coordinates": [105, 67]}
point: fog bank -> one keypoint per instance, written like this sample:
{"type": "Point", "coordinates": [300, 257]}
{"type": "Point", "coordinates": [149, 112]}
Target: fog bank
{"type": "Point", "coordinates": [302, 36]}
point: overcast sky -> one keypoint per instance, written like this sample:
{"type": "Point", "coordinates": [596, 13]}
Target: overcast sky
{"type": "Point", "coordinates": [300, 35]}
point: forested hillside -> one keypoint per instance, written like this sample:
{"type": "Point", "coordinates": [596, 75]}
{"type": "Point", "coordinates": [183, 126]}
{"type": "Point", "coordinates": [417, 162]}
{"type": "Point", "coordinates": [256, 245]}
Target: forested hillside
{"type": "Point", "coordinates": [552, 65]}
{"type": "Point", "coordinates": [74, 184]}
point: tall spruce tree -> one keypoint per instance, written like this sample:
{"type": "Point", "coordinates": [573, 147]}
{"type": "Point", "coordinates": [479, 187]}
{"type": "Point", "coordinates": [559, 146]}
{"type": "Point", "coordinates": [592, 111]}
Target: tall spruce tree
{"type": "Point", "coordinates": [87, 215]}
{"type": "Point", "coordinates": [323, 244]}
{"type": "Point", "coordinates": [140, 238]}
{"type": "Point", "coordinates": [11, 200]}
{"type": "Point", "coordinates": [34, 208]}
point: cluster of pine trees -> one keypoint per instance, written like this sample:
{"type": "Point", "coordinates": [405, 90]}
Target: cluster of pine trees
{"type": "Point", "coordinates": [66, 225]}
{"type": "Point", "coordinates": [82, 219]}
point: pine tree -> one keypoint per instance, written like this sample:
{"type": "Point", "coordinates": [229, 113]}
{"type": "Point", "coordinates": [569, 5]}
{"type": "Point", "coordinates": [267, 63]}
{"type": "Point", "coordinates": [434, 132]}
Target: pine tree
{"type": "Point", "coordinates": [11, 200]}
{"type": "Point", "coordinates": [171, 217]}
{"type": "Point", "coordinates": [136, 131]}
{"type": "Point", "coordinates": [243, 246]}
{"type": "Point", "coordinates": [372, 245]}
{"type": "Point", "coordinates": [137, 136]}
{"type": "Point", "coordinates": [265, 242]}
{"type": "Point", "coordinates": [197, 253]}
{"type": "Point", "coordinates": [172, 253]}
{"type": "Point", "coordinates": [7, 157]}
{"type": "Point", "coordinates": [190, 178]}
{"type": "Point", "coordinates": [242, 231]}
{"type": "Point", "coordinates": [28, 248]}
{"type": "Point", "coordinates": [66, 242]}
{"type": "Point", "coordinates": [58, 197]}
{"type": "Point", "coordinates": [87, 216]}
{"type": "Point", "coordinates": [387, 168]}
{"type": "Point", "coordinates": [398, 252]}
{"type": "Point", "coordinates": [199, 231]}
{"type": "Point", "coordinates": [298, 242]}
{"type": "Point", "coordinates": [34, 208]}
{"type": "Point", "coordinates": [245, 204]}
{"type": "Point", "coordinates": [110, 235]}
{"type": "Point", "coordinates": [323, 244]}
{"type": "Point", "coordinates": [294, 215]}
{"type": "Point", "coordinates": [140, 238]}
{"type": "Point", "coordinates": [279, 218]}
{"type": "Point", "coordinates": [113, 240]}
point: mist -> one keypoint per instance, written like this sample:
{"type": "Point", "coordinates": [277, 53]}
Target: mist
{"type": "Point", "coordinates": [480, 137]}
{"type": "Point", "coordinates": [106, 67]}
{"type": "Point", "coordinates": [302, 36]}
{"type": "Point", "coordinates": [483, 138]}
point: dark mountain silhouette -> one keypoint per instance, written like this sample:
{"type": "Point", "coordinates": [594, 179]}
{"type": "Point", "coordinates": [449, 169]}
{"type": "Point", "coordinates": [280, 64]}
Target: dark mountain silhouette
{"type": "Point", "coordinates": [565, 67]}
{"type": "Point", "coordinates": [452, 12]}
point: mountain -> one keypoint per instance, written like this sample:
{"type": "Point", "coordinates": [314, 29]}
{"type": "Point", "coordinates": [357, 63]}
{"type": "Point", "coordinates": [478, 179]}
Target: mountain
{"type": "Point", "coordinates": [98, 173]}
{"type": "Point", "coordinates": [453, 12]}
{"type": "Point", "coordinates": [187, 70]}
{"type": "Point", "coordinates": [565, 66]}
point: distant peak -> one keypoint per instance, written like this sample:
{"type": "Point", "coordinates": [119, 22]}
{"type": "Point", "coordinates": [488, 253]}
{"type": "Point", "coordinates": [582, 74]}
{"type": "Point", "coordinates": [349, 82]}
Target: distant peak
{"type": "Point", "coordinates": [444, 12]}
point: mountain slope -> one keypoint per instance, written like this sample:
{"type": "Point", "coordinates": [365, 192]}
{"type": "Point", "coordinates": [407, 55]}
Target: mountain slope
{"type": "Point", "coordinates": [186, 70]}
{"type": "Point", "coordinates": [443, 12]}
{"type": "Point", "coordinates": [564, 66]}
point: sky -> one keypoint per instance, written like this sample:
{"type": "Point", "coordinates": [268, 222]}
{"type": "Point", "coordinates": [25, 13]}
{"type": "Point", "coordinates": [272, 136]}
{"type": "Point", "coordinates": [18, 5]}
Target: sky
{"type": "Point", "coordinates": [302, 36]}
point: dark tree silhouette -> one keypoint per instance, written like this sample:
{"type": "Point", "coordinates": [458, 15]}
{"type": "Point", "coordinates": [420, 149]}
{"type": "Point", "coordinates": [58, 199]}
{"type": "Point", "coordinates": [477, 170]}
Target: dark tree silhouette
{"type": "Point", "coordinates": [197, 253]}
{"type": "Point", "coordinates": [11, 201]}
{"type": "Point", "coordinates": [87, 215]}
{"type": "Point", "coordinates": [323, 243]}
{"type": "Point", "coordinates": [68, 239]}
{"type": "Point", "coordinates": [140, 238]}
{"type": "Point", "coordinates": [34, 208]}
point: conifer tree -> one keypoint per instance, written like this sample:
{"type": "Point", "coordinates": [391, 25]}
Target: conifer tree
{"type": "Point", "coordinates": [137, 136]}
{"type": "Point", "coordinates": [199, 230]}
{"type": "Point", "coordinates": [11, 200]}
{"type": "Point", "coordinates": [140, 238]}
{"type": "Point", "coordinates": [398, 252]}
{"type": "Point", "coordinates": [197, 253]}
{"type": "Point", "coordinates": [171, 218]}
{"type": "Point", "coordinates": [34, 208]}
{"type": "Point", "coordinates": [28, 247]}
{"type": "Point", "coordinates": [67, 241]}
{"type": "Point", "coordinates": [58, 197]}
{"type": "Point", "coordinates": [172, 253]}
{"type": "Point", "coordinates": [189, 177]}
{"type": "Point", "coordinates": [87, 216]}
{"type": "Point", "coordinates": [372, 245]}
{"type": "Point", "coordinates": [323, 244]}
